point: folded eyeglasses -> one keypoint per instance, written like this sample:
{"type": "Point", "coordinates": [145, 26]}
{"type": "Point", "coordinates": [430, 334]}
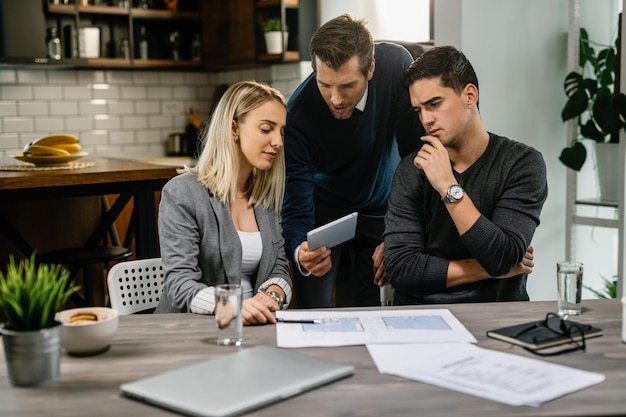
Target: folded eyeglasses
{"type": "Point", "coordinates": [556, 325]}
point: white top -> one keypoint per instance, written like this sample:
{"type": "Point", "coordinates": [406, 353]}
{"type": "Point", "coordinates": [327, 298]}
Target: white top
{"type": "Point", "coordinates": [251, 250]}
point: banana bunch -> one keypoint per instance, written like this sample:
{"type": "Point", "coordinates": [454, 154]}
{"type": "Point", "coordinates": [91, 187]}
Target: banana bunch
{"type": "Point", "coordinates": [55, 145]}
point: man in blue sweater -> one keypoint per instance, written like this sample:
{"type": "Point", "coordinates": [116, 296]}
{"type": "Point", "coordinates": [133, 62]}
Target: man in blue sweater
{"type": "Point", "coordinates": [348, 124]}
{"type": "Point", "coordinates": [464, 209]}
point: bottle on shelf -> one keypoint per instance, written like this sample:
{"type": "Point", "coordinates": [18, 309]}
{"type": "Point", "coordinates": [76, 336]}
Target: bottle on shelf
{"type": "Point", "coordinates": [195, 48]}
{"type": "Point", "coordinates": [53, 43]}
{"type": "Point", "coordinates": [143, 44]}
{"type": "Point", "coordinates": [174, 46]}
{"type": "Point", "coordinates": [125, 49]}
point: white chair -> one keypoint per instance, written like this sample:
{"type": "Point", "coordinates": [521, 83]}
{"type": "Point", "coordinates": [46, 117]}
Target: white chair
{"type": "Point", "coordinates": [135, 286]}
{"type": "Point", "coordinates": [386, 294]}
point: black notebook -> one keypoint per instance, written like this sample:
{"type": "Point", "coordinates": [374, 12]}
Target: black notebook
{"type": "Point", "coordinates": [536, 335]}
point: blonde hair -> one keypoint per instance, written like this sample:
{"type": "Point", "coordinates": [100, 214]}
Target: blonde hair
{"type": "Point", "coordinates": [218, 165]}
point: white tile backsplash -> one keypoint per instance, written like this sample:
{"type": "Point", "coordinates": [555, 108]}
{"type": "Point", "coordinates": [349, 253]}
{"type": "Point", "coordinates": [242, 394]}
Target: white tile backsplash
{"type": "Point", "coordinates": [32, 108]}
{"type": "Point", "coordinates": [18, 124]}
{"type": "Point", "coordinates": [66, 107]}
{"type": "Point", "coordinates": [134, 122]}
{"type": "Point", "coordinates": [44, 125]}
{"type": "Point", "coordinates": [7, 77]}
{"type": "Point", "coordinates": [8, 108]}
{"type": "Point", "coordinates": [133, 116]}
{"type": "Point", "coordinates": [119, 137]}
{"type": "Point", "coordinates": [113, 92]}
{"type": "Point", "coordinates": [134, 93]}
{"type": "Point", "coordinates": [141, 77]}
{"type": "Point", "coordinates": [120, 77]}
{"type": "Point", "coordinates": [76, 92]}
{"type": "Point", "coordinates": [47, 92]}
{"type": "Point", "coordinates": [173, 107]}
{"type": "Point", "coordinates": [31, 77]}
{"type": "Point", "coordinates": [121, 107]}
{"type": "Point", "coordinates": [9, 141]}
{"type": "Point", "coordinates": [64, 77]}
{"type": "Point", "coordinates": [171, 78]}
{"type": "Point", "coordinates": [147, 107]}
{"type": "Point", "coordinates": [90, 77]}
{"type": "Point", "coordinates": [163, 122]}
{"type": "Point", "coordinates": [159, 92]}
{"type": "Point", "coordinates": [91, 107]}
{"type": "Point", "coordinates": [76, 124]}
{"type": "Point", "coordinates": [16, 92]}
{"type": "Point", "coordinates": [108, 122]}
{"type": "Point", "coordinates": [150, 136]}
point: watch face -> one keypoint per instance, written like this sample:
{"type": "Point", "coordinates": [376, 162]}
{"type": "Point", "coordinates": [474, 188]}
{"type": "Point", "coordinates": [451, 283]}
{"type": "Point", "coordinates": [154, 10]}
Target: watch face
{"type": "Point", "coordinates": [456, 192]}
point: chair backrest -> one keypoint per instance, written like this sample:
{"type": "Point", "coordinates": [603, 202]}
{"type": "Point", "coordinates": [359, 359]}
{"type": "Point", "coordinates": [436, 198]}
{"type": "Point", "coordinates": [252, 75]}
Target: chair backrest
{"type": "Point", "coordinates": [135, 285]}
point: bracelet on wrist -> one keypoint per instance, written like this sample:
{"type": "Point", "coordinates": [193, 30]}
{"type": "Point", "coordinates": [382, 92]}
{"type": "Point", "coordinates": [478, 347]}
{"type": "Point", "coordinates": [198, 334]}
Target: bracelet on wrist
{"type": "Point", "coordinates": [277, 297]}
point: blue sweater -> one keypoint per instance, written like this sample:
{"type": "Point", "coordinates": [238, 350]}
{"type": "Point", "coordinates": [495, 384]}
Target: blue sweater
{"type": "Point", "coordinates": [347, 164]}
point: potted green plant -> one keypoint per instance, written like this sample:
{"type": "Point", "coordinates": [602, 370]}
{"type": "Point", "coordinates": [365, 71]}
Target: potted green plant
{"type": "Point", "coordinates": [608, 291]}
{"type": "Point", "coordinates": [275, 36]}
{"type": "Point", "coordinates": [30, 295]}
{"type": "Point", "coordinates": [592, 100]}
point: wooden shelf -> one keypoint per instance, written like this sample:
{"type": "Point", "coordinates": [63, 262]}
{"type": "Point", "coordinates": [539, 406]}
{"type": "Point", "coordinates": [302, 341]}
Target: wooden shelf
{"type": "Point", "coordinates": [108, 62]}
{"type": "Point", "coordinates": [61, 8]}
{"type": "Point", "coordinates": [276, 3]}
{"type": "Point", "coordinates": [104, 10]}
{"type": "Point", "coordinates": [288, 56]}
{"type": "Point", "coordinates": [163, 14]}
{"type": "Point", "coordinates": [159, 63]}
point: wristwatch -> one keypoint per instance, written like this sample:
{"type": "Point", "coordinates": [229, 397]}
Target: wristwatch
{"type": "Point", "coordinates": [454, 194]}
{"type": "Point", "coordinates": [276, 296]}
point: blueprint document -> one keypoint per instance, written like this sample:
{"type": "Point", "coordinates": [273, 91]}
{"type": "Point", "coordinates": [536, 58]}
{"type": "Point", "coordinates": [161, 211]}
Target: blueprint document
{"type": "Point", "coordinates": [349, 327]}
{"type": "Point", "coordinates": [498, 376]}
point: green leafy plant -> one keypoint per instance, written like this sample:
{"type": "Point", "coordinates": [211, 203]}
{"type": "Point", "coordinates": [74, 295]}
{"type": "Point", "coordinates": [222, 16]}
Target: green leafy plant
{"type": "Point", "coordinates": [609, 290]}
{"type": "Point", "coordinates": [31, 294]}
{"type": "Point", "coordinates": [591, 99]}
{"type": "Point", "coordinates": [274, 24]}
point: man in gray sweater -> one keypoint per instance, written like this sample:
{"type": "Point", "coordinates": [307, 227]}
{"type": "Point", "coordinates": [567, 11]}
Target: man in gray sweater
{"type": "Point", "coordinates": [464, 208]}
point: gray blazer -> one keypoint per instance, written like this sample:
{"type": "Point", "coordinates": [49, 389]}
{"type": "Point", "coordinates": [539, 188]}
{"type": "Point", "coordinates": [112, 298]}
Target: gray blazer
{"type": "Point", "coordinates": [200, 246]}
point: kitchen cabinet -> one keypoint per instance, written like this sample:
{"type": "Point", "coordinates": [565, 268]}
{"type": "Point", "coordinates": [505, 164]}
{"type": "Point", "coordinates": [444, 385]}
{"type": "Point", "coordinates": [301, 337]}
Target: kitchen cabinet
{"type": "Point", "coordinates": [99, 33]}
{"type": "Point", "coordinates": [299, 16]}
{"type": "Point", "coordinates": [229, 39]}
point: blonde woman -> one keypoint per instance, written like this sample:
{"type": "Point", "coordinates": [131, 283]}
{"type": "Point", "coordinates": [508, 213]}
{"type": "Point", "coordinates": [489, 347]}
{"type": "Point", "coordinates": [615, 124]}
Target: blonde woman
{"type": "Point", "coordinates": [219, 222]}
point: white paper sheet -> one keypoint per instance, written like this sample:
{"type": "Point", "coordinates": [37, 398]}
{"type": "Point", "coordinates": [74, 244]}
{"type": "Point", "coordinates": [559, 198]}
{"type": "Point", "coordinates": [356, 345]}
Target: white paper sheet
{"type": "Point", "coordinates": [498, 376]}
{"type": "Point", "coordinates": [343, 328]}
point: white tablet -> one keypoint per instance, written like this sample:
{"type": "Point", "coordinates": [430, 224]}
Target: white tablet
{"type": "Point", "coordinates": [333, 233]}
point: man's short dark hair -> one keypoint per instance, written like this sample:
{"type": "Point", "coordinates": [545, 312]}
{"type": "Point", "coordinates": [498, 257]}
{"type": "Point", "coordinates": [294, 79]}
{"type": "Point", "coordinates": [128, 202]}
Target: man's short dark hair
{"type": "Point", "coordinates": [444, 62]}
{"type": "Point", "coordinates": [341, 38]}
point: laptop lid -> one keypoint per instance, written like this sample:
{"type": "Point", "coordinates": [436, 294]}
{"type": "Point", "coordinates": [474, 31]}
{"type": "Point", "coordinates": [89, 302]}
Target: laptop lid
{"type": "Point", "coordinates": [235, 383]}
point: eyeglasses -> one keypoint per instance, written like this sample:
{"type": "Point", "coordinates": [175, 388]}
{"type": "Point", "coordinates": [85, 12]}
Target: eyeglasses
{"type": "Point", "coordinates": [554, 326]}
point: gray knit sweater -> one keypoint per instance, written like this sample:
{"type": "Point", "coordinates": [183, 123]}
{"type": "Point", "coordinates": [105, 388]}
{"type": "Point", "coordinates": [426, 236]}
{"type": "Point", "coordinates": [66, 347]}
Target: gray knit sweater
{"type": "Point", "coordinates": [508, 186]}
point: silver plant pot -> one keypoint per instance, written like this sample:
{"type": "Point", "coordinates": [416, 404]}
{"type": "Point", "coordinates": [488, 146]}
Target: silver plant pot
{"type": "Point", "coordinates": [34, 357]}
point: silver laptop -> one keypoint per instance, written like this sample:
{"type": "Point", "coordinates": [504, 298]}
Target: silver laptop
{"type": "Point", "coordinates": [235, 383]}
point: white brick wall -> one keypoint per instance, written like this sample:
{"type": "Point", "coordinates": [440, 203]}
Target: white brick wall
{"type": "Point", "coordinates": [115, 113]}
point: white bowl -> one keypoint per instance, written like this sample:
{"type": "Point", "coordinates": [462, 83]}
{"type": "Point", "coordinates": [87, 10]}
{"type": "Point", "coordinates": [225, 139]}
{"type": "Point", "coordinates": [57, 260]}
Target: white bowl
{"type": "Point", "coordinates": [88, 338]}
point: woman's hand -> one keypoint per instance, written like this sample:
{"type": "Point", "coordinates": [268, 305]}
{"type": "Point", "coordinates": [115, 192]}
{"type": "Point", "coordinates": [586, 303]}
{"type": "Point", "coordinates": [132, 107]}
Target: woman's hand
{"type": "Point", "coordinates": [259, 309]}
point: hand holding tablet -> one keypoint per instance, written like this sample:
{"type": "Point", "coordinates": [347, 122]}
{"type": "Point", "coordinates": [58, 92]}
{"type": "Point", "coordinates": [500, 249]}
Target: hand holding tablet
{"type": "Point", "coordinates": [333, 233]}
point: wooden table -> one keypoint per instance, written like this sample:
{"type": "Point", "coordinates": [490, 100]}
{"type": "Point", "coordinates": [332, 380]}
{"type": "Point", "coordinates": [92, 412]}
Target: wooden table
{"type": "Point", "coordinates": [148, 344]}
{"type": "Point", "coordinates": [129, 179]}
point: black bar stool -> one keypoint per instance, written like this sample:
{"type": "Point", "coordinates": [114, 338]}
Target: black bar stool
{"type": "Point", "coordinates": [78, 258]}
